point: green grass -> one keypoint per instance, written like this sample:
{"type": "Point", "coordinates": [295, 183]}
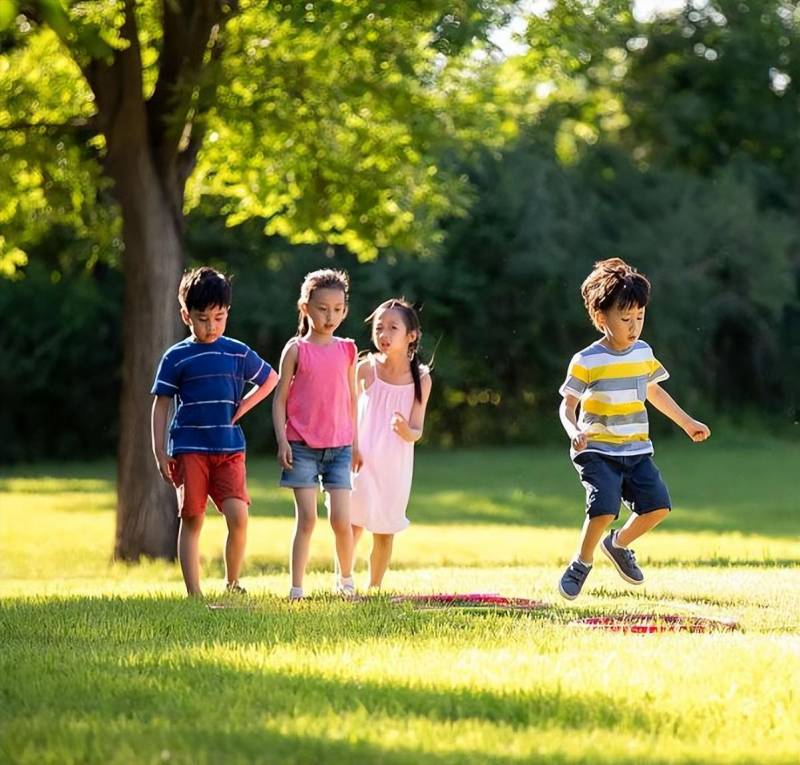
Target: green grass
{"type": "Point", "coordinates": [107, 663]}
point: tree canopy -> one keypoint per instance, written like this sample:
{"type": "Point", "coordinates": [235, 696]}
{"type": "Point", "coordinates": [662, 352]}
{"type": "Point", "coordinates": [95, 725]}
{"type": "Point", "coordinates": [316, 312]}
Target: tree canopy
{"type": "Point", "coordinates": [262, 136]}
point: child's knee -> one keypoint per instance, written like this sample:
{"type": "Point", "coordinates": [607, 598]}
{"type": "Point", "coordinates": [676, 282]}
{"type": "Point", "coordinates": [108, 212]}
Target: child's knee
{"type": "Point", "coordinates": [305, 524]}
{"type": "Point", "coordinates": [340, 523]}
{"type": "Point", "coordinates": [191, 524]}
{"type": "Point", "coordinates": [235, 512]}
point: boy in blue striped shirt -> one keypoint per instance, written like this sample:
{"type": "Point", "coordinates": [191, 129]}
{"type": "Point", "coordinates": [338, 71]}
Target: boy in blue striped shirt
{"type": "Point", "coordinates": [610, 443]}
{"type": "Point", "coordinates": [206, 375]}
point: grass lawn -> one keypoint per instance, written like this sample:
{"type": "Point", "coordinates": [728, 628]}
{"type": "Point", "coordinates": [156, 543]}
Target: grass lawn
{"type": "Point", "coordinates": [107, 663]}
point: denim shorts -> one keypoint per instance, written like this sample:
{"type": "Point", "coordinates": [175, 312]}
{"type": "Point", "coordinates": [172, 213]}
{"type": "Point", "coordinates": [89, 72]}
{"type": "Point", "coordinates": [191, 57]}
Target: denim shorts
{"type": "Point", "coordinates": [611, 479]}
{"type": "Point", "coordinates": [311, 466]}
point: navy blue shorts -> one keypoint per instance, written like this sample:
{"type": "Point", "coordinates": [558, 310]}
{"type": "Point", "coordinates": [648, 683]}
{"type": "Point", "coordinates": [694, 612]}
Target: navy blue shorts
{"type": "Point", "coordinates": [311, 466]}
{"type": "Point", "coordinates": [610, 480]}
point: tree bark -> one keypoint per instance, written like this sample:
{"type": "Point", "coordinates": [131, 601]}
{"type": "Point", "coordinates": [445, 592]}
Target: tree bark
{"type": "Point", "coordinates": [149, 165]}
{"type": "Point", "coordinates": [146, 506]}
{"type": "Point", "coordinates": [152, 262]}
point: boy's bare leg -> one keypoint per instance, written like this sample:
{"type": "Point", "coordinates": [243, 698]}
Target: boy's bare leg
{"type": "Point", "coordinates": [339, 517]}
{"type": "Point", "coordinates": [637, 525]}
{"type": "Point", "coordinates": [305, 511]}
{"type": "Point", "coordinates": [189, 552]}
{"type": "Point", "coordinates": [357, 532]}
{"type": "Point", "coordinates": [235, 512]}
{"type": "Point", "coordinates": [591, 534]}
{"type": "Point", "coordinates": [379, 558]}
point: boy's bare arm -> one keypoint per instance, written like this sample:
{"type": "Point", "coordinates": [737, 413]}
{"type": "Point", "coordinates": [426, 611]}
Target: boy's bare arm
{"type": "Point", "coordinates": [287, 369]}
{"type": "Point", "coordinates": [158, 432]}
{"type": "Point", "coordinates": [667, 405]}
{"type": "Point", "coordinates": [256, 395]}
{"type": "Point", "coordinates": [568, 414]}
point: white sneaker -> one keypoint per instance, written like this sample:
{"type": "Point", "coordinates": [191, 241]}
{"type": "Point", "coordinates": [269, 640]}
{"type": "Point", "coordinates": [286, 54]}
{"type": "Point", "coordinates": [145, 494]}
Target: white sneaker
{"type": "Point", "coordinates": [345, 587]}
{"type": "Point", "coordinates": [296, 593]}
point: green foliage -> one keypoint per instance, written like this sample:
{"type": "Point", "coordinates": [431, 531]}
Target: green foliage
{"type": "Point", "coordinates": [60, 356]}
{"type": "Point", "coordinates": [500, 304]}
{"type": "Point", "coordinates": [718, 81]}
{"type": "Point", "coordinates": [345, 123]}
{"type": "Point", "coordinates": [329, 121]}
{"type": "Point", "coordinates": [340, 137]}
{"type": "Point", "coordinates": [49, 174]}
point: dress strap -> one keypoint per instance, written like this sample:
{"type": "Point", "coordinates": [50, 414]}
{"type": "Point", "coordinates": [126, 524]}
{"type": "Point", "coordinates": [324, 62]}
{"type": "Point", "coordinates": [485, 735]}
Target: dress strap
{"type": "Point", "coordinates": [372, 368]}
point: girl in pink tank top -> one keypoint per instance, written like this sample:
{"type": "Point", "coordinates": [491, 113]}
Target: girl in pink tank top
{"type": "Point", "coordinates": [314, 414]}
{"type": "Point", "coordinates": [393, 395]}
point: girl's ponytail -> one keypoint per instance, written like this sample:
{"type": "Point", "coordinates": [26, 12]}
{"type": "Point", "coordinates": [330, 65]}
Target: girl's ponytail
{"type": "Point", "coordinates": [413, 358]}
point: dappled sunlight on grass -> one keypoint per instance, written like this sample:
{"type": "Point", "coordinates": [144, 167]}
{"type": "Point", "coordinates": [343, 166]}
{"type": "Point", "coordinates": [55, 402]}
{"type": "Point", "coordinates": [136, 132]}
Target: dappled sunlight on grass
{"type": "Point", "coordinates": [393, 681]}
{"type": "Point", "coordinates": [60, 486]}
{"type": "Point", "coordinates": [106, 662]}
{"type": "Point", "coordinates": [65, 544]}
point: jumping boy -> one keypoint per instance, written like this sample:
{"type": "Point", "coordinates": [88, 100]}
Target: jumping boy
{"type": "Point", "coordinates": [206, 375]}
{"type": "Point", "coordinates": [610, 445]}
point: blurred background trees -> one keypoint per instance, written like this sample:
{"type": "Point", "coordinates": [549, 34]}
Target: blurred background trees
{"type": "Point", "coordinates": [672, 142]}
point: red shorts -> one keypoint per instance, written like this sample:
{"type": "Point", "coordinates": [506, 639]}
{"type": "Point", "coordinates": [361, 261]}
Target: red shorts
{"type": "Point", "coordinates": [200, 476]}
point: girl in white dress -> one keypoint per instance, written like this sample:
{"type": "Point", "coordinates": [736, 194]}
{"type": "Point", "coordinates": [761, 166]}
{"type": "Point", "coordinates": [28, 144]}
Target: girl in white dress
{"type": "Point", "coordinates": [393, 390]}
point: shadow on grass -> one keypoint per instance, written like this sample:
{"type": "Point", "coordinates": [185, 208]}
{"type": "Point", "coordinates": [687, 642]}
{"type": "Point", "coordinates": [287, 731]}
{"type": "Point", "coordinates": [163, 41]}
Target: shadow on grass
{"type": "Point", "coordinates": [715, 487]}
{"type": "Point", "coordinates": [100, 676]}
{"type": "Point", "coordinates": [726, 562]}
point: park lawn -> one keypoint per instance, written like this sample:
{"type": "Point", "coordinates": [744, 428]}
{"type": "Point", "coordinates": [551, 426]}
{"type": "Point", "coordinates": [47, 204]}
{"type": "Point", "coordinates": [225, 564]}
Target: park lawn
{"type": "Point", "coordinates": [106, 663]}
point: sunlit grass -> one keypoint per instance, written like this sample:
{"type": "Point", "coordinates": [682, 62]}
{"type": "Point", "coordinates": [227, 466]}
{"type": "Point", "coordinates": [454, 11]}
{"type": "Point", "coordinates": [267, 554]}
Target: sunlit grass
{"type": "Point", "coordinates": [107, 663]}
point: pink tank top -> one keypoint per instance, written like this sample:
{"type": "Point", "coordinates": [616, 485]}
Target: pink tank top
{"type": "Point", "coordinates": [319, 409]}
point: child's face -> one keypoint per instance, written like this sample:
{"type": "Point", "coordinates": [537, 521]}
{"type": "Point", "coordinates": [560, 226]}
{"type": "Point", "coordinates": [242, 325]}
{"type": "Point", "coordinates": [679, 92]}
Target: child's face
{"type": "Point", "coordinates": [207, 325]}
{"type": "Point", "coordinates": [325, 310]}
{"type": "Point", "coordinates": [621, 326]}
{"type": "Point", "coordinates": [390, 334]}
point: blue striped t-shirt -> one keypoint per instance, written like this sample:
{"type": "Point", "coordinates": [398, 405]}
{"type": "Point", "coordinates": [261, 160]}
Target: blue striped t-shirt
{"type": "Point", "coordinates": [207, 381]}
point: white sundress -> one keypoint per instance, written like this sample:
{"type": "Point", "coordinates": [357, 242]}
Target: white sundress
{"type": "Point", "coordinates": [383, 485]}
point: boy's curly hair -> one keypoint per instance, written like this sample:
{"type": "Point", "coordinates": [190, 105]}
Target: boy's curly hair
{"type": "Point", "coordinates": [614, 283]}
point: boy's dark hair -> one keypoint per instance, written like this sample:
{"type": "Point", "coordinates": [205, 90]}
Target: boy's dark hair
{"type": "Point", "coordinates": [411, 320]}
{"type": "Point", "coordinates": [614, 283]}
{"type": "Point", "coordinates": [203, 288]}
{"type": "Point", "coordinates": [323, 279]}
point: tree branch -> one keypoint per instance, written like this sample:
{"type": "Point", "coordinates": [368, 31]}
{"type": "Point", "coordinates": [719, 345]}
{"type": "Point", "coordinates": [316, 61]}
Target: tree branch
{"type": "Point", "coordinates": [188, 28]}
{"type": "Point", "coordinates": [206, 94]}
{"type": "Point", "coordinates": [117, 87]}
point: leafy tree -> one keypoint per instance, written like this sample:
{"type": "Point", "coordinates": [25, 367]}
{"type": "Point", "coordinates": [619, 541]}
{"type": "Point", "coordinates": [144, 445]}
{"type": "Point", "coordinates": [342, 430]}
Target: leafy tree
{"type": "Point", "coordinates": [325, 119]}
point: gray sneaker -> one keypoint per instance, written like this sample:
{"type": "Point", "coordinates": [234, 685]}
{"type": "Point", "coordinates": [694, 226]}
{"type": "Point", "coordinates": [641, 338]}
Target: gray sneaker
{"type": "Point", "coordinates": [623, 559]}
{"type": "Point", "coordinates": [573, 579]}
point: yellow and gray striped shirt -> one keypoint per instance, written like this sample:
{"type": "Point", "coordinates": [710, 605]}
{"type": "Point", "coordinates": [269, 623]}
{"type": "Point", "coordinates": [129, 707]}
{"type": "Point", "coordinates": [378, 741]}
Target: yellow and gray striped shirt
{"type": "Point", "coordinates": [612, 388]}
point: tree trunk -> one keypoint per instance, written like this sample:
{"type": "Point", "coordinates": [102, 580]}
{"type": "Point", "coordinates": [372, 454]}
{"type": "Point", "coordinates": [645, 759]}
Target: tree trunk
{"type": "Point", "coordinates": [147, 521]}
{"type": "Point", "coordinates": [150, 152]}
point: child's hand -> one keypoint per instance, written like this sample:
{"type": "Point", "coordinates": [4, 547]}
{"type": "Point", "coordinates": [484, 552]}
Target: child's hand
{"type": "Point", "coordinates": [285, 455]}
{"type": "Point", "coordinates": [399, 425]}
{"type": "Point", "coordinates": [166, 466]}
{"type": "Point", "coordinates": [356, 461]}
{"type": "Point", "coordinates": [697, 430]}
{"type": "Point", "coordinates": [579, 442]}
